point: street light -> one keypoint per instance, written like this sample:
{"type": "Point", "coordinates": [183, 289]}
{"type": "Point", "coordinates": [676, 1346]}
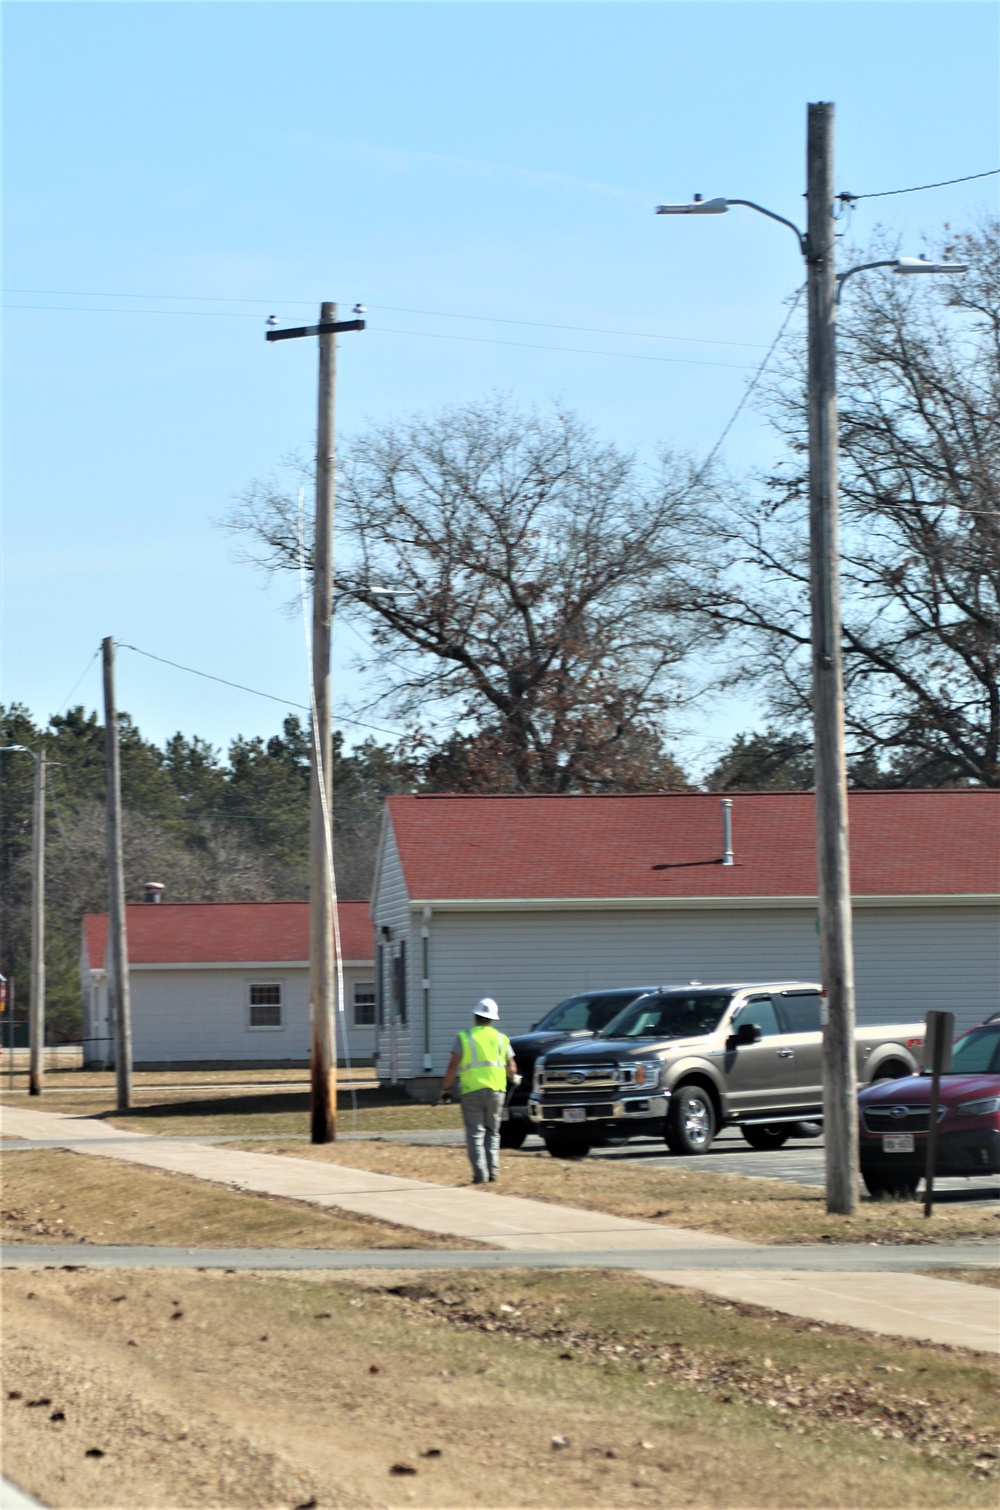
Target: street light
{"type": "Point", "coordinates": [817, 246]}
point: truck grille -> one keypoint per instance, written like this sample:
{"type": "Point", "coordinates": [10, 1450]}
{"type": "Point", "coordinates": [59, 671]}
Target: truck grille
{"type": "Point", "coordinates": [893, 1118]}
{"type": "Point", "coordinates": [590, 1077]}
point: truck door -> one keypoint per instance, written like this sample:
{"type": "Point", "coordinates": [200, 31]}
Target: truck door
{"type": "Point", "coordinates": [760, 1076]}
{"type": "Point", "coordinates": [800, 1019]}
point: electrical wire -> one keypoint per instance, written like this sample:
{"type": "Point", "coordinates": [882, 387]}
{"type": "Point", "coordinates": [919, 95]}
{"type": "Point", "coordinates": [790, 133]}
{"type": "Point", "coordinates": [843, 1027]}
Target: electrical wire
{"type": "Point", "coordinates": [76, 684]}
{"type": "Point", "coordinates": [240, 687]}
{"type": "Point", "coordinates": [395, 309]}
{"type": "Point", "coordinates": [920, 188]}
{"type": "Point", "coordinates": [751, 385]}
{"type": "Point", "coordinates": [338, 956]}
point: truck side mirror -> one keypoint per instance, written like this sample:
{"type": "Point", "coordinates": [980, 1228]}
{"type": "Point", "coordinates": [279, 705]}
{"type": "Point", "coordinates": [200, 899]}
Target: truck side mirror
{"type": "Point", "coordinates": [746, 1033]}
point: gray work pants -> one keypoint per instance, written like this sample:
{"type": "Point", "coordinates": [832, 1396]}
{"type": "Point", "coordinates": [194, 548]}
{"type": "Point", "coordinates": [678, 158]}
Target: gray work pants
{"type": "Point", "coordinates": [481, 1114]}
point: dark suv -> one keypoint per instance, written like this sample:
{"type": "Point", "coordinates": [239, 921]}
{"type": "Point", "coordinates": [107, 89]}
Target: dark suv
{"type": "Point", "coordinates": [578, 1016]}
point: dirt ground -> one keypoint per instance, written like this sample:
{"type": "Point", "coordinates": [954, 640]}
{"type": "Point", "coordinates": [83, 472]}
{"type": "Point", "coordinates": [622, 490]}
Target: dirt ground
{"type": "Point", "coordinates": [145, 1390]}
{"type": "Point", "coordinates": [763, 1211]}
{"type": "Point", "coordinates": [53, 1195]}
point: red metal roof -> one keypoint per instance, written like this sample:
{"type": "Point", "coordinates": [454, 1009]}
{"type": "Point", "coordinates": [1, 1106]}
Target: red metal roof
{"type": "Point", "coordinates": [162, 933]}
{"type": "Point", "coordinates": [907, 843]}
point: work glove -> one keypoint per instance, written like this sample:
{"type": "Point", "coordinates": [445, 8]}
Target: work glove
{"type": "Point", "coordinates": [515, 1080]}
{"type": "Point", "coordinates": [445, 1099]}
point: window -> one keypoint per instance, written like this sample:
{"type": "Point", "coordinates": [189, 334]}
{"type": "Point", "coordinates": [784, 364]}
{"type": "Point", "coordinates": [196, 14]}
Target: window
{"type": "Point", "coordinates": [759, 1010]}
{"type": "Point", "coordinates": [670, 1017]}
{"type": "Point", "coordinates": [364, 1004]}
{"type": "Point", "coordinates": [265, 1005]}
{"type": "Point", "coordinates": [800, 1011]}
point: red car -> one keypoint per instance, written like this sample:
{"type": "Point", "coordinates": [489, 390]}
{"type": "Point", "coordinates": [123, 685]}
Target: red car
{"type": "Point", "coordinates": [894, 1116]}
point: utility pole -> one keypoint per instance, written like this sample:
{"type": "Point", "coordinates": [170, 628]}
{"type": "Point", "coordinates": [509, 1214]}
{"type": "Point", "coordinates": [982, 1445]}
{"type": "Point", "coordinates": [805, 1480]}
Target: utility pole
{"type": "Point", "coordinates": [36, 1016]}
{"type": "Point", "coordinates": [840, 1109]}
{"type": "Point", "coordinates": [323, 1098]}
{"type": "Point", "coordinates": [118, 983]}
{"type": "Point", "coordinates": [323, 1082]}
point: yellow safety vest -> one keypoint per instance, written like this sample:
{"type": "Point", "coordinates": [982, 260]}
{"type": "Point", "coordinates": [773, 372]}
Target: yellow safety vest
{"type": "Point", "coordinates": [483, 1065]}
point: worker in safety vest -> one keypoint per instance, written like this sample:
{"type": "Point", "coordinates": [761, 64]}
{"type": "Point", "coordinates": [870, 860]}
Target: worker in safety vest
{"type": "Point", "coordinates": [482, 1060]}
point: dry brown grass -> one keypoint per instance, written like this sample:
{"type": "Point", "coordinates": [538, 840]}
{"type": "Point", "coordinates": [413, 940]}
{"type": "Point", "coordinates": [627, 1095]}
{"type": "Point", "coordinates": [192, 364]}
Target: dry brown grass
{"type": "Point", "coordinates": [55, 1196]}
{"type": "Point", "coordinates": [253, 1391]}
{"type": "Point", "coordinates": [988, 1277]}
{"type": "Point", "coordinates": [763, 1211]}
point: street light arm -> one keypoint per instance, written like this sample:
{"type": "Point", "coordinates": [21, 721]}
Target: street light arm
{"type": "Point", "coordinates": [862, 267]}
{"type": "Point", "coordinates": [749, 204]}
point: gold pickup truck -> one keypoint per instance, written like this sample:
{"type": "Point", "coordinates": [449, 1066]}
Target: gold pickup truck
{"type": "Point", "coordinates": [684, 1061]}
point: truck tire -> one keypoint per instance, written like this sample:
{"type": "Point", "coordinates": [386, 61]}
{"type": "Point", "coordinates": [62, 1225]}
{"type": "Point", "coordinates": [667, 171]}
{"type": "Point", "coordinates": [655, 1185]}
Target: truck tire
{"type": "Point", "coordinates": [567, 1143]}
{"type": "Point", "coordinates": [690, 1124]}
{"type": "Point", "coordinates": [899, 1185]}
{"type": "Point", "coordinates": [767, 1134]}
{"type": "Point", "coordinates": [513, 1134]}
{"type": "Point", "coordinates": [893, 1069]}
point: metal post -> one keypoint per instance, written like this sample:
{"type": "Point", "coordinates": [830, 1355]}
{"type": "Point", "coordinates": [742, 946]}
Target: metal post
{"type": "Point", "coordinates": [323, 1104]}
{"type": "Point", "coordinates": [36, 1015]}
{"type": "Point", "coordinates": [834, 883]}
{"type": "Point", "coordinates": [938, 1038]}
{"type": "Point", "coordinates": [118, 983]}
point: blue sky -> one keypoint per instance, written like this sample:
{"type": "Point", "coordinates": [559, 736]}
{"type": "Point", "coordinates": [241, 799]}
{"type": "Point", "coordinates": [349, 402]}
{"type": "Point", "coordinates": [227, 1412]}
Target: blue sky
{"type": "Point", "coordinates": [456, 167]}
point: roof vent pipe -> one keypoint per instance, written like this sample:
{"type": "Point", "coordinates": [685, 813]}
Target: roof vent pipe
{"type": "Point", "coordinates": [153, 891]}
{"type": "Point", "coordinates": [727, 831]}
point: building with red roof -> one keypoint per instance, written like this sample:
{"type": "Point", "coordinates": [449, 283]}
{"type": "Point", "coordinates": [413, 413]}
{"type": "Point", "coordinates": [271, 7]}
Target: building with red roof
{"type": "Point", "coordinates": [531, 899]}
{"type": "Point", "coordinates": [224, 981]}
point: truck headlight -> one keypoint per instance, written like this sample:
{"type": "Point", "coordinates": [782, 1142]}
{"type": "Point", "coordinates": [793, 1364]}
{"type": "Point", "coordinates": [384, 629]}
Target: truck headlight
{"type": "Point", "coordinates": [647, 1073]}
{"type": "Point", "coordinates": [536, 1082]}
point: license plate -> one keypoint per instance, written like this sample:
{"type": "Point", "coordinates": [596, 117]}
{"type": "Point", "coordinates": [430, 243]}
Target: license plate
{"type": "Point", "coordinates": [574, 1114]}
{"type": "Point", "coordinates": [901, 1143]}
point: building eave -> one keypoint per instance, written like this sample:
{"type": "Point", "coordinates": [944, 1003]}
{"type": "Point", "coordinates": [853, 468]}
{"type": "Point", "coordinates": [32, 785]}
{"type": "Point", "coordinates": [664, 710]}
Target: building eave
{"type": "Point", "coordinates": [692, 904]}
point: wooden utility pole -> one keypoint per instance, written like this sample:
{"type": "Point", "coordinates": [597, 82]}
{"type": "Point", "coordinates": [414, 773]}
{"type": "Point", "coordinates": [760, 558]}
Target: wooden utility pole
{"type": "Point", "coordinates": [36, 1015]}
{"type": "Point", "coordinates": [118, 983]}
{"type": "Point", "coordinates": [323, 1101]}
{"type": "Point", "coordinates": [840, 1111]}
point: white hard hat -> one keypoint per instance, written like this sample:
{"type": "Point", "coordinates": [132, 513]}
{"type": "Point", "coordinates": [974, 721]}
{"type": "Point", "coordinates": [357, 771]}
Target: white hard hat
{"type": "Point", "coordinates": [487, 1008]}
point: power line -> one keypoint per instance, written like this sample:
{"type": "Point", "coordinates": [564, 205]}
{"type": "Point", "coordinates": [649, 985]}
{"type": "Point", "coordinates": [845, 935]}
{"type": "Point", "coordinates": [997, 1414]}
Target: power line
{"type": "Point", "coordinates": [752, 384]}
{"type": "Point", "coordinates": [286, 702]}
{"type": "Point", "coordinates": [76, 684]}
{"type": "Point", "coordinates": [628, 356]}
{"type": "Point", "coordinates": [395, 309]}
{"type": "Point", "coordinates": [919, 188]}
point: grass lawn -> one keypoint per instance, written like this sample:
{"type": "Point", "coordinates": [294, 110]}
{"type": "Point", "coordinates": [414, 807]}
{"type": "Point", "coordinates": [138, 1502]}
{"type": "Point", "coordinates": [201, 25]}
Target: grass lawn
{"type": "Point", "coordinates": [520, 1390]}
{"type": "Point", "coordinates": [763, 1211]}
{"type": "Point", "coordinates": [57, 1196]}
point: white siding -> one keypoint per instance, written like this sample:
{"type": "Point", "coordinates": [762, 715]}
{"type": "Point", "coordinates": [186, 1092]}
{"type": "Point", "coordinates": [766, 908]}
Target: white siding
{"type": "Point", "coordinates": [198, 1014]}
{"type": "Point", "coordinates": [908, 959]}
{"type": "Point", "coordinates": [399, 1046]}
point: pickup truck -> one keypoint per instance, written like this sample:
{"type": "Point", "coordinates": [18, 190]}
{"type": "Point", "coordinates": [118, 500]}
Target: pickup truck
{"type": "Point", "coordinates": [683, 1062]}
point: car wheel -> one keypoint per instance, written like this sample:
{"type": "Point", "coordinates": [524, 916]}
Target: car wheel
{"type": "Point", "coordinates": [513, 1134]}
{"type": "Point", "coordinates": [563, 1143]}
{"type": "Point", "coordinates": [898, 1185]}
{"type": "Point", "coordinates": [767, 1134]}
{"type": "Point", "coordinates": [690, 1125]}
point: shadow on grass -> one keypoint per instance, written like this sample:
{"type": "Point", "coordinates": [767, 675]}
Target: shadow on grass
{"type": "Point", "coordinates": [270, 1104]}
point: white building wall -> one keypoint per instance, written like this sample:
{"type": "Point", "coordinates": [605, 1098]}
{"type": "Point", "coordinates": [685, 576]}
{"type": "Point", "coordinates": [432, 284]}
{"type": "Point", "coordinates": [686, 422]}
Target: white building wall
{"type": "Point", "coordinates": [399, 1045]}
{"type": "Point", "coordinates": [907, 959]}
{"type": "Point", "coordinates": [202, 1014]}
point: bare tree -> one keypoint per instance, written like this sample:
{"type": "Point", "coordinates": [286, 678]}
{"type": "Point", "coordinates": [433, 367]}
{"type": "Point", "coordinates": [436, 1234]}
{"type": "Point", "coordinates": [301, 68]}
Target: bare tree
{"type": "Point", "coordinates": [518, 579]}
{"type": "Point", "coordinates": [919, 380]}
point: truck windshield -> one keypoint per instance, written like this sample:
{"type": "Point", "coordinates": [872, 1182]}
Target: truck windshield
{"type": "Point", "coordinates": [670, 1016]}
{"type": "Point", "coordinates": [976, 1053]}
{"type": "Point", "coordinates": [590, 1012]}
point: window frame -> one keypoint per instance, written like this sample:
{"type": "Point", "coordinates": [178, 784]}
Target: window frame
{"type": "Point", "coordinates": [372, 1005]}
{"type": "Point", "coordinates": [265, 1027]}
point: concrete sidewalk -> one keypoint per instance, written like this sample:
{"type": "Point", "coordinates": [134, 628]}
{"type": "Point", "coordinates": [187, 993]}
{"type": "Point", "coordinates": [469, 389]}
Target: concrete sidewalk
{"type": "Point", "coordinates": [898, 1305]}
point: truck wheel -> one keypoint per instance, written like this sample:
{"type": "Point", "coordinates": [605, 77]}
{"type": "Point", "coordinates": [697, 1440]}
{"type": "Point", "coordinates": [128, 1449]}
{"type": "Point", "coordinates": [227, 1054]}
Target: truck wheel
{"type": "Point", "coordinates": [513, 1134]}
{"type": "Point", "coordinates": [690, 1125]}
{"type": "Point", "coordinates": [564, 1143]}
{"type": "Point", "coordinates": [893, 1070]}
{"type": "Point", "coordinates": [899, 1186]}
{"type": "Point", "coordinates": [767, 1134]}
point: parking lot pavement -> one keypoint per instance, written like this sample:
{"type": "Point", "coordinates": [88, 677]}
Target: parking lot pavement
{"type": "Point", "coordinates": [800, 1161]}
